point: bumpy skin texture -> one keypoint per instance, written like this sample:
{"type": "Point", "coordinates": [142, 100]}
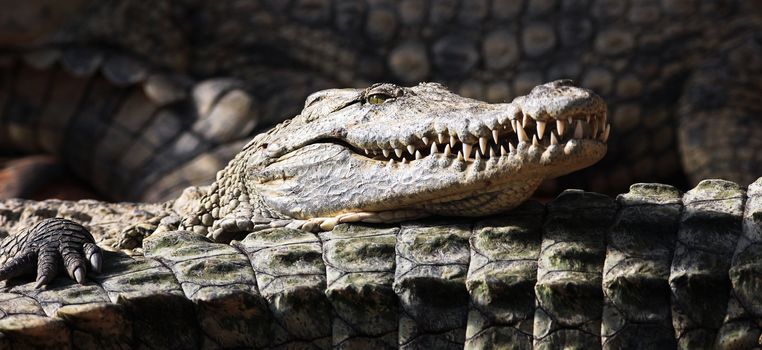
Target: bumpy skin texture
{"type": "Point", "coordinates": [653, 268]}
{"type": "Point", "coordinates": [681, 77]}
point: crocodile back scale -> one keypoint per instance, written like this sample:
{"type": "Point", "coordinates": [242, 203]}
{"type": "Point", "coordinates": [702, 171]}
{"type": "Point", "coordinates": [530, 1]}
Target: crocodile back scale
{"type": "Point", "coordinates": [653, 268]}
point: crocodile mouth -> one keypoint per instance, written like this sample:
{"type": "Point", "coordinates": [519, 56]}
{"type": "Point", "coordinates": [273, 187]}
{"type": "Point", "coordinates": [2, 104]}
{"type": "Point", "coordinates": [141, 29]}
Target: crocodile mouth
{"type": "Point", "coordinates": [499, 141]}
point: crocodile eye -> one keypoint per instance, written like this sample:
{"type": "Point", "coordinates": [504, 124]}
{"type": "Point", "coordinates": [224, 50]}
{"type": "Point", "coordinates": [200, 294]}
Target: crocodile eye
{"type": "Point", "coordinates": [378, 98]}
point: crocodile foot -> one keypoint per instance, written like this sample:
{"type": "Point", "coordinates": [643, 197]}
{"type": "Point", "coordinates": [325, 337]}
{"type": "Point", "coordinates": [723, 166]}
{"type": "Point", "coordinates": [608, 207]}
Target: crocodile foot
{"type": "Point", "coordinates": [45, 244]}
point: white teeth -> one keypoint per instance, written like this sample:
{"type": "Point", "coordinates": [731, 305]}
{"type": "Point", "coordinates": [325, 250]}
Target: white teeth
{"type": "Point", "coordinates": [460, 156]}
{"type": "Point", "coordinates": [503, 151]}
{"type": "Point", "coordinates": [404, 160]}
{"type": "Point", "coordinates": [398, 152]}
{"type": "Point", "coordinates": [483, 145]}
{"type": "Point", "coordinates": [522, 135]}
{"type": "Point", "coordinates": [467, 150]}
{"type": "Point", "coordinates": [553, 139]}
{"type": "Point", "coordinates": [540, 129]}
{"type": "Point", "coordinates": [425, 140]}
{"type": "Point", "coordinates": [606, 133]}
{"type": "Point", "coordinates": [578, 130]}
{"type": "Point", "coordinates": [535, 142]}
{"type": "Point", "coordinates": [418, 155]}
{"type": "Point", "coordinates": [367, 151]}
{"type": "Point", "coordinates": [492, 152]}
{"type": "Point", "coordinates": [561, 127]}
{"type": "Point", "coordinates": [514, 125]}
{"type": "Point", "coordinates": [447, 151]}
{"type": "Point", "coordinates": [525, 121]}
{"type": "Point", "coordinates": [595, 129]}
{"type": "Point", "coordinates": [411, 149]}
{"type": "Point", "coordinates": [391, 162]}
{"type": "Point", "coordinates": [588, 119]}
{"type": "Point", "coordinates": [386, 153]}
{"type": "Point", "coordinates": [453, 140]}
{"type": "Point", "coordinates": [495, 135]}
{"type": "Point", "coordinates": [440, 138]}
{"type": "Point", "coordinates": [434, 148]}
{"type": "Point", "coordinates": [511, 147]}
{"type": "Point", "coordinates": [478, 156]}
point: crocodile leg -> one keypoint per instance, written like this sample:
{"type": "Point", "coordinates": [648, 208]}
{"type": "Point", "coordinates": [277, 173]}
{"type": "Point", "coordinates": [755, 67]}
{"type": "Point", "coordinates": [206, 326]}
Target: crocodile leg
{"type": "Point", "coordinates": [47, 244]}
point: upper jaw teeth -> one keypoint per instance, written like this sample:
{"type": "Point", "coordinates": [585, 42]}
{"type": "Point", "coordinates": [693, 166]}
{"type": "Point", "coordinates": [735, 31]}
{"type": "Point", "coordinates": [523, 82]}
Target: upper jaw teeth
{"type": "Point", "coordinates": [501, 140]}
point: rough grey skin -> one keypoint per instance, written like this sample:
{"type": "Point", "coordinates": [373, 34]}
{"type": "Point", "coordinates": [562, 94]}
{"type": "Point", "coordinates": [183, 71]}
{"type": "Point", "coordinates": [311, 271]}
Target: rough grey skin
{"type": "Point", "coordinates": [654, 268]}
{"type": "Point", "coordinates": [681, 77]}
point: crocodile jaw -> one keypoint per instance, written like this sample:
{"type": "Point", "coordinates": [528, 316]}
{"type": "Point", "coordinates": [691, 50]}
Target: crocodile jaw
{"type": "Point", "coordinates": [337, 181]}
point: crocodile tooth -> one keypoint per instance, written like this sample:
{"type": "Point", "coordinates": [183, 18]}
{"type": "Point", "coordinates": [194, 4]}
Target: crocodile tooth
{"type": "Point", "coordinates": [495, 135]}
{"type": "Point", "coordinates": [367, 151]}
{"type": "Point", "coordinates": [404, 160]}
{"type": "Point", "coordinates": [434, 148]}
{"type": "Point", "coordinates": [553, 139]}
{"type": "Point", "coordinates": [440, 138]}
{"type": "Point", "coordinates": [578, 134]}
{"type": "Point", "coordinates": [418, 155]}
{"type": "Point", "coordinates": [398, 152]}
{"type": "Point", "coordinates": [540, 129]}
{"type": "Point", "coordinates": [535, 142]}
{"type": "Point", "coordinates": [503, 151]}
{"type": "Point", "coordinates": [391, 162]}
{"type": "Point", "coordinates": [411, 149]}
{"type": "Point", "coordinates": [386, 153]}
{"type": "Point", "coordinates": [511, 147]}
{"type": "Point", "coordinates": [329, 224]}
{"type": "Point", "coordinates": [492, 152]}
{"type": "Point", "coordinates": [605, 134]}
{"type": "Point", "coordinates": [425, 140]}
{"type": "Point", "coordinates": [522, 135]}
{"type": "Point", "coordinates": [453, 140]}
{"type": "Point", "coordinates": [467, 150]}
{"type": "Point", "coordinates": [483, 145]}
{"type": "Point", "coordinates": [478, 156]}
{"type": "Point", "coordinates": [525, 121]}
{"type": "Point", "coordinates": [460, 156]}
{"type": "Point", "coordinates": [447, 151]}
{"type": "Point", "coordinates": [561, 127]}
{"type": "Point", "coordinates": [513, 125]}
{"type": "Point", "coordinates": [588, 119]}
{"type": "Point", "coordinates": [594, 126]}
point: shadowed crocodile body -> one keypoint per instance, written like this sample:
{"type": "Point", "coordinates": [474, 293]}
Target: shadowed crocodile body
{"type": "Point", "coordinates": [681, 77]}
{"type": "Point", "coordinates": [323, 265]}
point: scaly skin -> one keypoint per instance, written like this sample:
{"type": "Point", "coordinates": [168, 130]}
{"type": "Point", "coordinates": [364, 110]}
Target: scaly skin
{"type": "Point", "coordinates": [681, 77]}
{"type": "Point", "coordinates": [652, 269]}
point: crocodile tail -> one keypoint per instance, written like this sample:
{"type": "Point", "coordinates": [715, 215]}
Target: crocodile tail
{"type": "Point", "coordinates": [118, 124]}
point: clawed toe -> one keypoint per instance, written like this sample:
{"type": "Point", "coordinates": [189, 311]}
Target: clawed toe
{"type": "Point", "coordinates": [49, 245]}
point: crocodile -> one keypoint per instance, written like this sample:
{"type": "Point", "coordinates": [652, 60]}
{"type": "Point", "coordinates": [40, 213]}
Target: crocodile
{"type": "Point", "coordinates": [180, 84]}
{"type": "Point", "coordinates": [344, 232]}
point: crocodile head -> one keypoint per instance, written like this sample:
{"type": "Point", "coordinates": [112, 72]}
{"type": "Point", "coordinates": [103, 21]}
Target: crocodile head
{"type": "Point", "coordinates": [389, 153]}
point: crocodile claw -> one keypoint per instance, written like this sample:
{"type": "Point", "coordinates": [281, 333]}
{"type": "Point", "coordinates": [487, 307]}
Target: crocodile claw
{"type": "Point", "coordinates": [46, 246]}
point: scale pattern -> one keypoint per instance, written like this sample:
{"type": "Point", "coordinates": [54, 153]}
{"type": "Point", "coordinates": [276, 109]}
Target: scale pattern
{"type": "Point", "coordinates": [652, 268]}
